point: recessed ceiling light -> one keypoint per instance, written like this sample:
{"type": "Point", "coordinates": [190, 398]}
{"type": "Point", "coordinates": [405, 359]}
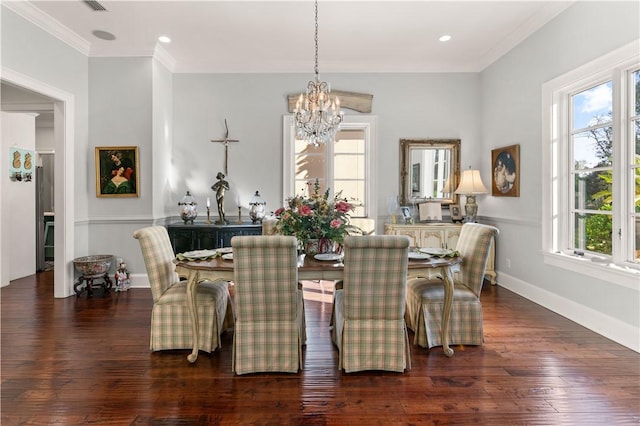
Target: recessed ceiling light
{"type": "Point", "coordinates": [103, 35]}
{"type": "Point", "coordinates": [164, 39]}
{"type": "Point", "coordinates": [445, 37]}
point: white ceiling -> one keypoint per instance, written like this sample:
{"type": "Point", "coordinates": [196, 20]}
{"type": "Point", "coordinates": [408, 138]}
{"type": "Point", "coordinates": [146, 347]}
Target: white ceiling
{"type": "Point", "coordinates": [278, 36]}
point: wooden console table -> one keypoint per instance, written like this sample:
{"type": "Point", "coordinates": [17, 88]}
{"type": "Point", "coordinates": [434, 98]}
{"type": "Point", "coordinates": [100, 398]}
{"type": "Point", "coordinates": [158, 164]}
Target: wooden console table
{"type": "Point", "coordinates": [438, 235]}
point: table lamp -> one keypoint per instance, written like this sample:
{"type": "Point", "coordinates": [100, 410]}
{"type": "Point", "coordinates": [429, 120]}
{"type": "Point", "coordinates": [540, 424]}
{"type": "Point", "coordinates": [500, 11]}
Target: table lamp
{"type": "Point", "coordinates": [470, 186]}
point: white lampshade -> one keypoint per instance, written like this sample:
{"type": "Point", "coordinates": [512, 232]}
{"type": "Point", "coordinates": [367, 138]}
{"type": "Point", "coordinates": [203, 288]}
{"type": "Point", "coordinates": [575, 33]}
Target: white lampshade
{"type": "Point", "coordinates": [448, 187]}
{"type": "Point", "coordinates": [471, 183]}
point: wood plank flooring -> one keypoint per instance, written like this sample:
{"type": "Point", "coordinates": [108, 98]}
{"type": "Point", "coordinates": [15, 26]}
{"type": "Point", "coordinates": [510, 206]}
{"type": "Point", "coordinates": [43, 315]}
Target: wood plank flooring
{"type": "Point", "coordinates": [79, 361]}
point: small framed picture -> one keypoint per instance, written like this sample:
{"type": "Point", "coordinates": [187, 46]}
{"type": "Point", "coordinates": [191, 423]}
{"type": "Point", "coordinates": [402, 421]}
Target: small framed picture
{"type": "Point", "coordinates": [406, 214]}
{"type": "Point", "coordinates": [456, 213]}
{"type": "Point", "coordinates": [415, 179]}
{"type": "Point", "coordinates": [117, 171]}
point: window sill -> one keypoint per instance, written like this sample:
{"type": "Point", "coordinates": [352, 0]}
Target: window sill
{"type": "Point", "coordinates": [623, 276]}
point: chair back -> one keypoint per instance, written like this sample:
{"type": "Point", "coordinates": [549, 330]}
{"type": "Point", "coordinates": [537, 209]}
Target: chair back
{"type": "Point", "coordinates": [365, 224]}
{"type": "Point", "coordinates": [265, 277]}
{"type": "Point", "coordinates": [473, 244]}
{"type": "Point", "coordinates": [158, 258]}
{"type": "Point", "coordinates": [269, 226]}
{"type": "Point", "coordinates": [375, 276]}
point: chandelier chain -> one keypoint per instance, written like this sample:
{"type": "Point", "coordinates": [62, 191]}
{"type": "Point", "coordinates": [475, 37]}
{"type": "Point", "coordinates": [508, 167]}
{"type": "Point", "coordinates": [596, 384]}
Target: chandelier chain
{"type": "Point", "coordinates": [317, 68]}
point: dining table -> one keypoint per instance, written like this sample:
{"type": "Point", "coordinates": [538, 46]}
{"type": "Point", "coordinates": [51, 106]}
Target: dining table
{"type": "Point", "coordinates": [310, 269]}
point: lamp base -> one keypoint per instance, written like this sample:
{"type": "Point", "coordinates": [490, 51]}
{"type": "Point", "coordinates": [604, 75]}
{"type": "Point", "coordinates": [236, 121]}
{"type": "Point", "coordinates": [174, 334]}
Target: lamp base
{"type": "Point", "coordinates": [470, 209]}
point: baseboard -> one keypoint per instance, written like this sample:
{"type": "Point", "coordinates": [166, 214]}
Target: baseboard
{"type": "Point", "coordinates": [609, 327]}
{"type": "Point", "coordinates": [139, 281]}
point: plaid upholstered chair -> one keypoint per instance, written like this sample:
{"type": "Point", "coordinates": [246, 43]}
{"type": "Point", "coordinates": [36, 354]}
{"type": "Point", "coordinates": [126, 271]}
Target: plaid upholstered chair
{"type": "Point", "coordinates": [170, 320]}
{"type": "Point", "coordinates": [367, 226]}
{"type": "Point", "coordinates": [369, 328]}
{"type": "Point", "coordinates": [425, 297]}
{"type": "Point", "coordinates": [270, 323]}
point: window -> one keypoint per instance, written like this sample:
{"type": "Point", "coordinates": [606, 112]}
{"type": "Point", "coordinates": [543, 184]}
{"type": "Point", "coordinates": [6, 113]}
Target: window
{"type": "Point", "coordinates": [346, 165]}
{"type": "Point", "coordinates": [591, 139]}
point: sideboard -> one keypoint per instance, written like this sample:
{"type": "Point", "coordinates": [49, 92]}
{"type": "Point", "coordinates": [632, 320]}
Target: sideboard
{"type": "Point", "coordinates": [202, 235]}
{"type": "Point", "coordinates": [438, 235]}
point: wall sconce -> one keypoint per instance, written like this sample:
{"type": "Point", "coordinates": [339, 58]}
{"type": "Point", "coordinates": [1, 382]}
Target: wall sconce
{"type": "Point", "coordinates": [470, 186]}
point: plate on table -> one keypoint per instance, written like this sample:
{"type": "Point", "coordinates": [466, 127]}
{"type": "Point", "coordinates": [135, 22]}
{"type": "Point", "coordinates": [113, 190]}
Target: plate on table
{"type": "Point", "coordinates": [199, 254]}
{"type": "Point", "coordinates": [227, 256]}
{"type": "Point", "coordinates": [223, 250]}
{"type": "Point", "coordinates": [435, 251]}
{"type": "Point", "coordinates": [415, 255]}
{"type": "Point", "coordinates": [327, 256]}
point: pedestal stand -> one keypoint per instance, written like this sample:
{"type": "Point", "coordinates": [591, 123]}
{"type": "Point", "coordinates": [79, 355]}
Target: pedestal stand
{"type": "Point", "coordinates": [88, 280]}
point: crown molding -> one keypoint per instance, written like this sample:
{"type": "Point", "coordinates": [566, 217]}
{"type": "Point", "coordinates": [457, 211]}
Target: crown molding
{"type": "Point", "coordinates": [37, 17]}
{"type": "Point", "coordinates": [163, 57]}
{"type": "Point", "coordinates": [545, 15]}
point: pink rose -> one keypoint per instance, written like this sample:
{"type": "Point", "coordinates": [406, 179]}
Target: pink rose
{"type": "Point", "coordinates": [336, 223]}
{"type": "Point", "coordinates": [279, 211]}
{"type": "Point", "coordinates": [305, 210]}
{"type": "Point", "coordinates": [343, 207]}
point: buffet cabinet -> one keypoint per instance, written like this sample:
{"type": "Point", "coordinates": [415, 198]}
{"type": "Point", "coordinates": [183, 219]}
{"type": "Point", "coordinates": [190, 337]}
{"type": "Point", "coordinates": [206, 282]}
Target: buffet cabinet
{"type": "Point", "coordinates": [202, 235]}
{"type": "Point", "coordinates": [438, 235]}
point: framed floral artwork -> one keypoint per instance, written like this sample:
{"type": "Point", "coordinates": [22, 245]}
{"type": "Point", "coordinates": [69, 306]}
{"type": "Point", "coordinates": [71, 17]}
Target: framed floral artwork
{"type": "Point", "coordinates": [505, 164]}
{"type": "Point", "coordinates": [117, 171]}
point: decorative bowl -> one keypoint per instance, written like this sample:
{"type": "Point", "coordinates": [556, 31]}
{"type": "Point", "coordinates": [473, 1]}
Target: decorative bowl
{"type": "Point", "coordinates": [93, 265]}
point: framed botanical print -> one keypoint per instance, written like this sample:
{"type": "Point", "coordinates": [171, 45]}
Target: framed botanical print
{"type": "Point", "coordinates": [117, 173]}
{"type": "Point", "coordinates": [505, 163]}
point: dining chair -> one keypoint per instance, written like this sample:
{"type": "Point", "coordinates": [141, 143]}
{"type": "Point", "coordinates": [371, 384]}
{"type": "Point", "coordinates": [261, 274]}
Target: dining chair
{"type": "Point", "coordinates": [171, 326]}
{"type": "Point", "coordinates": [369, 327]}
{"type": "Point", "coordinates": [365, 225]}
{"type": "Point", "coordinates": [270, 327]}
{"type": "Point", "coordinates": [425, 297]}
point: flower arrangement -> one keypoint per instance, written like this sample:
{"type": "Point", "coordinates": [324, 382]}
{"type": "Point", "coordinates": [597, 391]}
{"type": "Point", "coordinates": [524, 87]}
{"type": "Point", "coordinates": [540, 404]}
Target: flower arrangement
{"type": "Point", "coordinates": [316, 217]}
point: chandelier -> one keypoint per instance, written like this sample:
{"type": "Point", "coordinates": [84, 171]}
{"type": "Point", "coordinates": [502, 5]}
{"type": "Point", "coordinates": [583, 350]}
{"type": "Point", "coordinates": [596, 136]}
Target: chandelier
{"type": "Point", "coordinates": [317, 117]}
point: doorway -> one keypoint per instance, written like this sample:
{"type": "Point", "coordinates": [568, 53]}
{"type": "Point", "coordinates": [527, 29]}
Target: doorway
{"type": "Point", "coordinates": [61, 103]}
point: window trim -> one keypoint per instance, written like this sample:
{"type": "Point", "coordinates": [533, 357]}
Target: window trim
{"type": "Point", "coordinates": [555, 168]}
{"type": "Point", "coordinates": [366, 123]}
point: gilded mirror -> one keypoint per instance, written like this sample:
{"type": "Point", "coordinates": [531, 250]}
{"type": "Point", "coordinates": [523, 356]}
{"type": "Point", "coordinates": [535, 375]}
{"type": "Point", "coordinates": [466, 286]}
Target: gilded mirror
{"type": "Point", "coordinates": [429, 168]}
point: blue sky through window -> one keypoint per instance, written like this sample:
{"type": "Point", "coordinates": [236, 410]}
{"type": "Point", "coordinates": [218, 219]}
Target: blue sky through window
{"type": "Point", "coordinates": [591, 107]}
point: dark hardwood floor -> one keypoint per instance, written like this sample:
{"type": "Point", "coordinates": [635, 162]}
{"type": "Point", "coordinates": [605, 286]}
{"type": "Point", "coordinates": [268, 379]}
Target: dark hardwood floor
{"type": "Point", "coordinates": [80, 361]}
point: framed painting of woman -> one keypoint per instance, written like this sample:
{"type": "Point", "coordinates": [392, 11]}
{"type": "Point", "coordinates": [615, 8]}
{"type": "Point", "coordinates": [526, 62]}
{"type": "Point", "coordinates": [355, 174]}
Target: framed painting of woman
{"type": "Point", "coordinates": [117, 173]}
{"type": "Point", "coordinates": [505, 162]}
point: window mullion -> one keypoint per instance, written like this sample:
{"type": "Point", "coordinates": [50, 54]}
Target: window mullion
{"type": "Point", "coordinates": [619, 154]}
{"type": "Point", "coordinates": [565, 176]}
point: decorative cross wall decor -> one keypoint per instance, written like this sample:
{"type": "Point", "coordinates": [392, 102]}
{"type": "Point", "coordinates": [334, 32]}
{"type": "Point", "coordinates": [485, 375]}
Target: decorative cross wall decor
{"type": "Point", "coordinates": [226, 141]}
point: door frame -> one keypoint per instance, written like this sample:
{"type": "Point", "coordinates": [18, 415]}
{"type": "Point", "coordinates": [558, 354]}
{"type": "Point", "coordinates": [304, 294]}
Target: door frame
{"type": "Point", "coordinates": [64, 197]}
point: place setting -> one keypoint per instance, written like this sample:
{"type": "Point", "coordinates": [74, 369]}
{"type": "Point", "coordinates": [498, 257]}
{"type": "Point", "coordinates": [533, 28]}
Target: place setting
{"type": "Point", "coordinates": [207, 254]}
{"type": "Point", "coordinates": [337, 258]}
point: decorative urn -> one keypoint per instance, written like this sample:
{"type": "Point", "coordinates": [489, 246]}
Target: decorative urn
{"type": "Point", "coordinates": [188, 210]}
{"type": "Point", "coordinates": [257, 208]}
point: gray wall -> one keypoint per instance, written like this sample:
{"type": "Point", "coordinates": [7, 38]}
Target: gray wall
{"type": "Point", "coordinates": [406, 105]}
{"type": "Point", "coordinates": [511, 114]}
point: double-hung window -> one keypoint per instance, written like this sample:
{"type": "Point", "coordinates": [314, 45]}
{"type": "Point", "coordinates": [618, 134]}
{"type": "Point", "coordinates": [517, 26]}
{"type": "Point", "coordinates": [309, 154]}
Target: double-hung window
{"type": "Point", "coordinates": [345, 166]}
{"type": "Point", "coordinates": [591, 137]}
